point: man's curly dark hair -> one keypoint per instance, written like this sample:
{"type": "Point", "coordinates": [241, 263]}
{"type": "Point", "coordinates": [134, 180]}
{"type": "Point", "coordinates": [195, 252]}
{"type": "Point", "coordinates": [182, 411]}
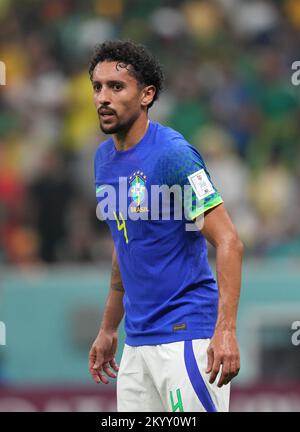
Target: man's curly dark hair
{"type": "Point", "coordinates": [142, 64]}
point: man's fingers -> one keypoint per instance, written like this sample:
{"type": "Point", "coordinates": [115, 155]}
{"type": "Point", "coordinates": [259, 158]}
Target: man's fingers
{"type": "Point", "coordinates": [234, 367]}
{"type": "Point", "coordinates": [98, 362]}
{"type": "Point", "coordinates": [95, 376]}
{"type": "Point", "coordinates": [225, 375]}
{"type": "Point", "coordinates": [230, 369]}
{"type": "Point", "coordinates": [98, 369]}
{"type": "Point", "coordinates": [215, 369]}
{"type": "Point", "coordinates": [93, 372]}
{"type": "Point", "coordinates": [108, 371]}
{"type": "Point", "coordinates": [98, 376]}
{"type": "Point", "coordinates": [210, 360]}
{"type": "Point", "coordinates": [103, 378]}
{"type": "Point", "coordinates": [114, 365]}
{"type": "Point", "coordinates": [106, 368]}
{"type": "Point", "coordinates": [95, 366]}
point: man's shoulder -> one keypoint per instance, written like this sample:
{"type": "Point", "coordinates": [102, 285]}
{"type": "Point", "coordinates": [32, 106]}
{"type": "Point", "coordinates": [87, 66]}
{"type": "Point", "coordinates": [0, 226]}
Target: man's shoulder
{"type": "Point", "coordinates": [172, 143]}
{"type": "Point", "coordinates": [170, 140]}
{"type": "Point", "coordinates": [168, 133]}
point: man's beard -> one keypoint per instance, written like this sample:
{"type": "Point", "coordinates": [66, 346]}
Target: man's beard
{"type": "Point", "coordinates": [119, 128]}
{"type": "Point", "coordinates": [114, 129]}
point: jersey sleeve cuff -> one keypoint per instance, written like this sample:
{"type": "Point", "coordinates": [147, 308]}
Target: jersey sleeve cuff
{"type": "Point", "coordinates": [209, 205]}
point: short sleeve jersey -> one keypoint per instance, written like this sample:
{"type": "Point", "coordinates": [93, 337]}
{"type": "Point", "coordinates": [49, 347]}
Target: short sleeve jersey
{"type": "Point", "coordinates": [149, 195]}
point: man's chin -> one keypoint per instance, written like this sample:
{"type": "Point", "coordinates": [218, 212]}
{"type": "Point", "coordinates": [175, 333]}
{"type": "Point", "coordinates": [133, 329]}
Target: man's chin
{"type": "Point", "coordinates": [112, 129]}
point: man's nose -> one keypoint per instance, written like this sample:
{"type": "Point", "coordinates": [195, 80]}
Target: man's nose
{"type": "Point", "coordinates": [103, 97]}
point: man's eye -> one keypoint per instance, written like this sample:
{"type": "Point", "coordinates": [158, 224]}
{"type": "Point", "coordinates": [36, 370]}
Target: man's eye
{"type": "Point", "coordinates": [97, 87]}
{"type": "Point", "coordinates": [117, 87]}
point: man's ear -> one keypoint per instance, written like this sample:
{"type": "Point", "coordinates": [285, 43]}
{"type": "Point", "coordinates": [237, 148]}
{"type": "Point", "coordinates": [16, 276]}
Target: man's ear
{"type": "Point", "coordinates": [148, 95]}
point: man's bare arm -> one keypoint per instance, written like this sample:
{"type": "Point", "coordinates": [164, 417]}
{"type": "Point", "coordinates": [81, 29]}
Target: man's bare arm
{"type": "Point", "coordinates": [102, 353]}
{"type": "Point", "coordinates": [221, 233]}
{"type": "Point", "coordinates": [114, 310]}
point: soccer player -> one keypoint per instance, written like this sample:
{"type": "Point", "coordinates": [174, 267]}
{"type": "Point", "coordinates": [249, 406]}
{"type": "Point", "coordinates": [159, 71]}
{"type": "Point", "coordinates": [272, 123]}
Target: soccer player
{"type": "Point", "coordinates": [181, 350]}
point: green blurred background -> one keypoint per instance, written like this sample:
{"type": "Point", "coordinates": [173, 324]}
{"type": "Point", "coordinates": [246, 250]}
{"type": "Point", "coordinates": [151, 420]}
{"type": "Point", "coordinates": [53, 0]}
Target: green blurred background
{"type": "Point", "coordinates": [228, 65]}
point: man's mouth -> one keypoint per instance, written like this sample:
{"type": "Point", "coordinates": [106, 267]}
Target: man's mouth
{"type": "Point", "coordinates": [106, 114]}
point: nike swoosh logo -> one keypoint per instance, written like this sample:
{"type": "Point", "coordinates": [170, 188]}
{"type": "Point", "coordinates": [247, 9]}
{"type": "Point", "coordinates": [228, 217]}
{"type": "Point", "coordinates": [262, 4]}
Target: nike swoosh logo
{"type": "Point", "coordinates": [99, 189]}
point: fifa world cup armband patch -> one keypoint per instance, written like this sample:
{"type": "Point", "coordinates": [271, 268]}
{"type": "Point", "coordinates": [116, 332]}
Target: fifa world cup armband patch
{"type": "Point", "coordinates": [201, 184]}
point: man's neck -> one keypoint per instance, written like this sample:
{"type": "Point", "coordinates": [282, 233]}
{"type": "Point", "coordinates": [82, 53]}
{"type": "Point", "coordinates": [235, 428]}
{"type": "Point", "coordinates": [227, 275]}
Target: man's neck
{"type": "Point", "coordinates": [128, 139]}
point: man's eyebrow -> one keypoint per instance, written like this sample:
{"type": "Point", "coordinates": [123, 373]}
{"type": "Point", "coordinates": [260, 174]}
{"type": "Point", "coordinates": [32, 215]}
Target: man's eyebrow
{"type": "Point", "coordinates": [112, 82]}
{"type": "Point", "coordinates": [109, 82]}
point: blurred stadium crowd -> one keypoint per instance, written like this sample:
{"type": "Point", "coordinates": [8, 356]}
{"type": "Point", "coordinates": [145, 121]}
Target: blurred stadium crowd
{"type": "Point", "coordinates": [228, 90]}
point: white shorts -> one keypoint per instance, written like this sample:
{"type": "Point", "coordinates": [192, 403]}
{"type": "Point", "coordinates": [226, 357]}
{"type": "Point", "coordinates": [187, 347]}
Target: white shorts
{"type": "Point", "coordinates": [169, 378]}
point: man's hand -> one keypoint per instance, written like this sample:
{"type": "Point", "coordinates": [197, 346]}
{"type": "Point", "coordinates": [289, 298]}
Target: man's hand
{"type": "Point", "coordinates": [223, 350]}
{"type": "Point", "coordinates": [102, 356]}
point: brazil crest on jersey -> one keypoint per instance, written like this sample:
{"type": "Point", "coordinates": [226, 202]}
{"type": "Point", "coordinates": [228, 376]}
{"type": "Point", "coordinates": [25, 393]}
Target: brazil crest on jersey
{"type": "Point", "coordinates": [149, 195]}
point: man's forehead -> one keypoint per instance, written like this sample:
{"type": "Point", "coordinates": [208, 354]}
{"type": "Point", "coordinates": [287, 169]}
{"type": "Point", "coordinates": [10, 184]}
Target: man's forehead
{"type": "Point", "coordinates": [112, 70]}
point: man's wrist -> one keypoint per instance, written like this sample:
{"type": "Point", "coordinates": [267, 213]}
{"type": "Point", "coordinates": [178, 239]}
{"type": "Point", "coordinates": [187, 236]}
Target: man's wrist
{"type": "Point", "coordinates": [107, 329]}
{"type": "Point", "coordinates": [226, 326]}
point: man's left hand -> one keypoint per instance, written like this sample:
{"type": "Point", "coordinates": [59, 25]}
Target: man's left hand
{"type": "Point", "coordinates": [223, 350]}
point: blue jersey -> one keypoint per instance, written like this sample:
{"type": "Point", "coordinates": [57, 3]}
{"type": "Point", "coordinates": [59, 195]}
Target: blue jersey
{"type": "Point", "coordinates": [170, 291]}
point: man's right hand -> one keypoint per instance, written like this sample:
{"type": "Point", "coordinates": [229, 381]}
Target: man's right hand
{"type": "Point", "coordinates": [102, 356]}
